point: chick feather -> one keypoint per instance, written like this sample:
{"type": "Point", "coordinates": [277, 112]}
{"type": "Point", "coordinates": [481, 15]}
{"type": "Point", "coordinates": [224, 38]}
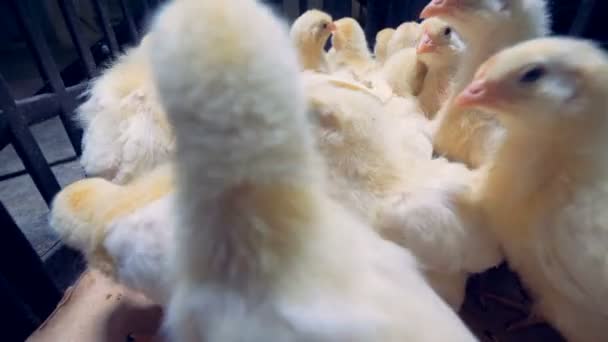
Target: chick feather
{"type": "Point", "coordinates": [257, 234]}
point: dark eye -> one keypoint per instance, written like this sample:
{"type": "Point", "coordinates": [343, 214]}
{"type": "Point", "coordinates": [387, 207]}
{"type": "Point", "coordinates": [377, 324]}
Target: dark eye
{"type": "Point", "coordinates": [324, 25]}
{"type": "Point", "coordinates": [532, 75]}
{"type": "Point", "coordinates": [447, 31]}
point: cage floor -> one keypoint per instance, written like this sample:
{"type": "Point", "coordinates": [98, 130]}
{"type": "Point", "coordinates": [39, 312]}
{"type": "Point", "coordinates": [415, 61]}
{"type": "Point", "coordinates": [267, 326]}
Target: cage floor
{"type": "Point", "coordinates": [19, 193]}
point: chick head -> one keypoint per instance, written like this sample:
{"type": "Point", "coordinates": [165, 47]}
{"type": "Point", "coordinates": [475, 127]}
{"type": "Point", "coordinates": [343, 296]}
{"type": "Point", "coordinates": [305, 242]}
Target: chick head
{"type": "Point", "coordinates": [348, 35]}
{"type": "Point", "coordinates": [544, 82]}
{"type": "Point", "coordinates": [438, 43]}
{"type": "Point", "coordinates": [473, 17]}
{"type": "Point", "coordinates": [405, 36]}
{"type": "Point", "coordinates": [312, 27]}
{"type": "Point", "coordinates": [382, 39]}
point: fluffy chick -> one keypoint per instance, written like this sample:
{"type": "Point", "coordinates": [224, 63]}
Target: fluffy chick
{"type": "Point", "coordinates": [125, 131]}
{"type": "Point", "coordinates": [545, 195]}
{"type": "Point", "coordinates": [440, 49]}
{"type": "Point", "coordinates": [379, 164]}
{"type": "Point", "coordinates": [406, 36]}
{"type": "Point", "coordinates": [486, 26]}
{"type": "Point", "coordinates": [123, 230]}
{"type": "Point", "coordinates": [309, 32]}
{"type": "Point", "coordinates": [381, 47]}
{"type": "Point", "coordinates": [350, 50]}
{"type": "Point", "coordinates": [257, 237]}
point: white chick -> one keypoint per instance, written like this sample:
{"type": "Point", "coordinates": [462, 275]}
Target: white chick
{"type": "Point", "coordinates": [406, 36]}
{"type": "Point", "coordinates": [125, 130]}
{"type": "Point", "coordinates": [309, 33]}
{"type": "Point", "coordinates": [440, 49]}
{"type": "Point", "coordinates": [545, 195]}
{"type": "Point", "coordinates": [123, 230]}
{"type": "Point", "coordinates": [380, 49]}
{"type": "Point", "coordinates": [350, 52]}
{"type": "Point", "coordinates": [380, 165]}
{"type": "Point", "coordinates": [486, 26]}
{"type": "Point", "coordinates": [257, 239]}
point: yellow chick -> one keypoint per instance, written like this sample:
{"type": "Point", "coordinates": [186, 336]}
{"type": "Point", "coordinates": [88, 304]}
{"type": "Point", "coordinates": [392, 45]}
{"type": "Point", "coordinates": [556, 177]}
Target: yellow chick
{"type": "Point", "coordinates": [406, 36]}
{"type": "Point", "coordinates": [486, 26]}
{"type": "Point", "coordinates": [309, 33]}
{"type": "Point", "coordinates": [440, 49]}
{"type": "Point", "coordinates": [350, 52]}
{"type": "Point", "coordinates": [122, 230]}
{"type": "Point", "coordinates": [257, 235]}
{"type": "Point", "coordinates": [125, 130]}
{"type": "Point", "coordinates": [381, 47]}
{"type": "Point", "coordinates": [545, 194]}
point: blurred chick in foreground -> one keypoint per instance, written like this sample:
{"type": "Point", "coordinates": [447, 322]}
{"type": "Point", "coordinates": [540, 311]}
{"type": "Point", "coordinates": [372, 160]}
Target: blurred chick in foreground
{"type": "Point", "coordinates": [125, 130]}
{"type": "Point", "coordinates": [123, 230]}
{"type": "Point", "coordinates": [350, 52]}
{"type": "Point", "coordinates": [546, 192]}
{"type": "Point", "coordinates": [309, 33]}
{"type": "Point", "coordinates": [440, 49]}
{"type": "Point", "coordinates": [380, 49]}
{"type": "Point", "coordinates": [406, 36]}
{"type": "Point", "coordinates": [486, 26]}
{"type": "Point", "coordinates": [257, 238]}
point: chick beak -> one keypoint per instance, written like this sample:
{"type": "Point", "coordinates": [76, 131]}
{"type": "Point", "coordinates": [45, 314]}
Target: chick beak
{"type": "Point", "coordinates": [332, 27]}
{"type": "Point", "coordinates": [425, 45]}
{"type": "Point", "coordinates": [479, 92]}
{"type": "Point", "coordinates": [437, 7]}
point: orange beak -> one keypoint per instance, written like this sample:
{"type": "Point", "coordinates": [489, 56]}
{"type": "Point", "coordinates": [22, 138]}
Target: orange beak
{"type": "Point", "coordinates": [425, 45]}
{"type": "Point", "coordinates": [479, 92]}
{"type": "Point", "coordinates": [332, 27]}
{"type": "Point", "coordinates": [438, 7]}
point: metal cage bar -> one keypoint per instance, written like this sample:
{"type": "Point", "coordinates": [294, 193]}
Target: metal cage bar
{"type": "Point", "coordinates": [28, 276]}
{"type": "Point", "coordinates": [18, 322]}
{"type": "Point", "coordinates": [582, 18]}
{"type": "Point", "coordinates": [338, 8]}
{"type": "Point", "coordinates": [38, 45]}
{"type": "Point", "coordinates": [26, 146]}
{"type": "Point", "coordinates": [376, 19]}
{"type": "Point", "coordinates": [128, 16]}
{"type": "Point", "coordinates": [106, 27]}
{"type": "Point", "coordinates": [75, 29]}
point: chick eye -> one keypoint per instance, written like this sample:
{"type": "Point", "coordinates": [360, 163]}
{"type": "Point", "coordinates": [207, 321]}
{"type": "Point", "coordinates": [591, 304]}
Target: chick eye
{"type": "Point", "coordinates": [324, 25]}
{"type": "Point", "coordinates": [532, 75]}
{"type": "Point", "coordinates": [447, 31]}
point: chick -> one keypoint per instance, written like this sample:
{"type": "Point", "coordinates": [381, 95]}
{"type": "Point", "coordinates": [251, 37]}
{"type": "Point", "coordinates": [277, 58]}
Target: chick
{"type": "Point", "coordinates": [257, 234]}
{"type": "Point", "coordinates": [406, 36]}
{"type": "Point", "coordinates": [379, 165]}
{"type": "Point", "coordinates": [123, 230]}
{"type": "Point", "coordinates": [486, 26]}
{"type": "Point", "coordinates": [403, 72]}
{"type": "Point", "coordinates": [439, 49]}
{"type": "Point", "coordinates": [381, 47]}
{"type": "Point", "coordinates": [126, 132]}
{"type": "Point", "coordinates": [350, 52]}
{"type": "Point", "coordinates": [545, 193]}
{"type": "Point", "coordinates": [309, 33]}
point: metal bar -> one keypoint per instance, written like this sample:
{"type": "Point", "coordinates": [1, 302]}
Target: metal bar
{"type": "Point", "coordinates": [303, 6]}
{"type": "Point", "coordinates": [26, 146]}
{"type": "Point", "coordinates": [376, 19]}
{"type": "Point", "coordinates": [583, 16]}
{"type": "Point", "coordinates": [42, 107]}
{"type": "Point", "coordinates": [22, 172]}
{"type": "Point", "coordinates": [38, 44]}
{"type": "Point", "coordinates": [106, 27]}
{"type": "Point", "coordinates": [27, 277]}
{"type": "Point", "coordinates": [75, 29]}
{"type": "Point", "coordinates": [399, 11]}
{"type": "Point", "coordinates": [18, 322]}
{"type": "Point", "coordinates": [338, 8]}
{"type": "Point", "coordinates": [126, 12]}
{"type": "Point", "coordinates": [4, 132]}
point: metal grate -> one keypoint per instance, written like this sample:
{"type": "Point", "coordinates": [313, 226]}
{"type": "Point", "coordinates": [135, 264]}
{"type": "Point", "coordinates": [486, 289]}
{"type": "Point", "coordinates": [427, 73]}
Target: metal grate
{"type": "Point", "coordinates": [27, 290]}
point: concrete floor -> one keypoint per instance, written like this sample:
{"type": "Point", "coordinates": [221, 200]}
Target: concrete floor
{"type": "Point", "coordinates": [19, 194]}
